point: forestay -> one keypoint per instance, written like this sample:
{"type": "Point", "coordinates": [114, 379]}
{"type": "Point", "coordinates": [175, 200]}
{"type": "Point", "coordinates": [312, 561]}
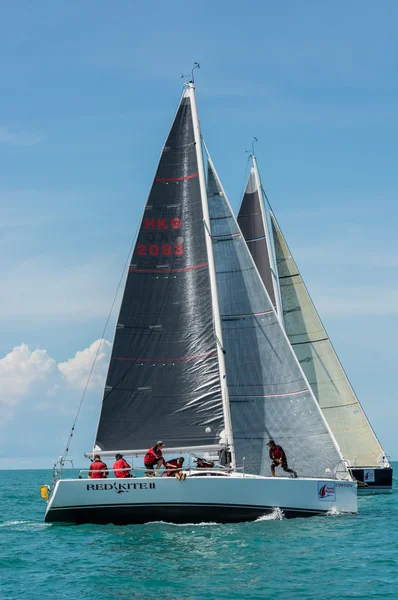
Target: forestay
{"type": "Point", "coordinates": [320, 363]}
{"type": "Point", "coordinates": [269, 396]}
{"type": "Point", "coordinates": [163, 380]}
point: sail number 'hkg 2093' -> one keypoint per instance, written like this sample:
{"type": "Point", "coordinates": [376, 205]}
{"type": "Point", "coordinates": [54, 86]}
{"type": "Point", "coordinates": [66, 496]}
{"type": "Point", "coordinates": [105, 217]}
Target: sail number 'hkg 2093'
{"type": "Point", "coordinates": [161, 249]}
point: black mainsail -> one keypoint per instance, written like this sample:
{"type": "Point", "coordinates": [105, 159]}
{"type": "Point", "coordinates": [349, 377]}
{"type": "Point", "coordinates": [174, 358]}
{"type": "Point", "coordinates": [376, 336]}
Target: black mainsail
{"type": "Point", "coordinates": [253, 225]}
{"type": "Point", "coordinates": [163, 380]}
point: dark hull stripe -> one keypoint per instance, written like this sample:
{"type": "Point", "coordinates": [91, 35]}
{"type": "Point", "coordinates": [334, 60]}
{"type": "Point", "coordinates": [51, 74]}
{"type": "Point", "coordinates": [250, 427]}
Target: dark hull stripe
{"type": "Point", "coordinates": [124, 514]}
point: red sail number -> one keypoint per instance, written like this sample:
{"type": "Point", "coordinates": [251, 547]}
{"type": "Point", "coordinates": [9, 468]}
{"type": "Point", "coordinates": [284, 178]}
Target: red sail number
{"type": "Point", "coordinates": [164, 250]}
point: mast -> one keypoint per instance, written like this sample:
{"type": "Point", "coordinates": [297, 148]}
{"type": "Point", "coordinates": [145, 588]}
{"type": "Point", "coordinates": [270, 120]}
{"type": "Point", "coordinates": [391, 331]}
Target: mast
{"type": "Point", "coordinates": [212, 274]}
{"type": "Point", "coordinates": [270, 246]}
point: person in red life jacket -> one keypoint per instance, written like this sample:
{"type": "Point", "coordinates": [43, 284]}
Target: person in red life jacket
{"type": "Point", "coordinates": [172, 469]}
{"type": "Point", "coordinates": [201, 463]}
{"type": "Point", "coordinates": [98, 469]}
{"type": "Point", "coordinates": [154, 457]}
{"type": "Point", "coordinates": [278, 457]}
{"type": "Point", "coordinates": [120, 467]}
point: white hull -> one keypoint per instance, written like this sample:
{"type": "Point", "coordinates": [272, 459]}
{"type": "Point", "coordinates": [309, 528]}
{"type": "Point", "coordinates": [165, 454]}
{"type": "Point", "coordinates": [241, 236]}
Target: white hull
{"type": "Point", "coordinates": [198, 499]}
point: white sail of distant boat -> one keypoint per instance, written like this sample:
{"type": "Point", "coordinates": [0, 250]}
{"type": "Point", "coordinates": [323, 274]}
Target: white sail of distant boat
{"type": "Point", "coordinates": [315, 352]}
{"type": "Point", "coordinates": [186, 367]}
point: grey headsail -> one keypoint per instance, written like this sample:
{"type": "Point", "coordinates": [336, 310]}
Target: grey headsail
{"type": "Point", "coordinates": [163, 380]}
{"type": "Point", "coordinates": [320, 363]}
{"type": "Point", "coordinates": [253, 226]}
{"type": "Point", "coordinates": [268, 393]}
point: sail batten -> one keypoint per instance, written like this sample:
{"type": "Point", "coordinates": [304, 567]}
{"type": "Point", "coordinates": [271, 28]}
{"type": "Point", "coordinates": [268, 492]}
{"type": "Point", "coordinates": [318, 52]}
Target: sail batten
{"type": "Point", "coordinates": [164, 379]}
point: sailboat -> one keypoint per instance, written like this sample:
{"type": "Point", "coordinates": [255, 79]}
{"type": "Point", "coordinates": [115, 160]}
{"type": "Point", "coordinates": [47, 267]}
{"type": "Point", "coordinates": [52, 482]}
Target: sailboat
{"type": "Point", "coordinates": [310, 341]}
{"type": "Point", "coordinates": [187, 367]}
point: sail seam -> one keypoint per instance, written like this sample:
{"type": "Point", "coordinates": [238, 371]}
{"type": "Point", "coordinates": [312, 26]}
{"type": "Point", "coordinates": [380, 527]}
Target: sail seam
{"type": "Point", "coordinates": [268, 395]}
{"type": "Point", "coordinates": [227, 235]}
{"type": "Point", "coordinates": [287, 276]}
{"type": "Point", "coordinates": [160, 179]}
{"type": "Point", "coordinates": [256, 239]}
{"type": "Point", "coordinates": [168, 270]}
{"type": "Point", "coordinates": [264, 312]}
{"type": "Point", "coordinates": [309, 342]}
{"type": "Point", "coordinates": [182, 358]}
{"type": "Point", "coordinates": [340, 405]}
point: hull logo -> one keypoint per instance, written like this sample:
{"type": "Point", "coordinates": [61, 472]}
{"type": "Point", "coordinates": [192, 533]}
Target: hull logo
{"type": "Point", "coordinates": [369, 475]}
{"type": "Point", "coordinates": [326, 490]}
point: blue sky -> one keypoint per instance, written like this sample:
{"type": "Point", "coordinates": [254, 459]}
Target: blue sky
{"type": "Point", "coordinates": [87, 93]}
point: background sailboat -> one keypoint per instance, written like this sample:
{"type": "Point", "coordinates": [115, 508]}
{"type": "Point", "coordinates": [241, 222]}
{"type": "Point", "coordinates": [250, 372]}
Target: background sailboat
{"type": "Point", "coordinates": [313, 347]}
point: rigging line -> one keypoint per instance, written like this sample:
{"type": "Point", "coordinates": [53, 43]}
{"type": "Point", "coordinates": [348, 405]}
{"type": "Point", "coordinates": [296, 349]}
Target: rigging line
{"type": "Point", "coordinates": [127, 262]}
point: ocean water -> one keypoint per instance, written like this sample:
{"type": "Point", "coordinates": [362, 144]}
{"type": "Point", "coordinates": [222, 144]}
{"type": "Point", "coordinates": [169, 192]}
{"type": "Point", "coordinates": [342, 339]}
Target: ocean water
{"type": "Point", "coordinates": [326, 558]}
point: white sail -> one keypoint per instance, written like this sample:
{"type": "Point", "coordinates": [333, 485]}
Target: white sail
{"type": "Point", "coordinates": [320, 363]}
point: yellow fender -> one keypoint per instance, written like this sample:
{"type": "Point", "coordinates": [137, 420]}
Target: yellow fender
{"type": "Point", "coordinates": [44, 492]}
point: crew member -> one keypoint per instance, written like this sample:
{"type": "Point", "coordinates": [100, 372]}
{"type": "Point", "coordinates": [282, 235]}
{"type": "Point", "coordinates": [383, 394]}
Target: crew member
{"type": "Point", "coordinates": [173, 469]}
{"type": "Point", "coordinates": [278, 457]}
{"type": "Point", "coordinates": [121, 467]}
{"type": "Point", "coordinates": [201, 463]}
{"type": "Point", "coordinates": [98, 469]}
{"type": "Point", "coordinates": [154, 457]}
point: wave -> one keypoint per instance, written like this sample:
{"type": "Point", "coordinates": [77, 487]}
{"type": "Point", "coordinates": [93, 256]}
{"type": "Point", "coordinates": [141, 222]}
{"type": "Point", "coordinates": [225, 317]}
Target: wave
{"type": "Point", "coordinates": [275, 515]}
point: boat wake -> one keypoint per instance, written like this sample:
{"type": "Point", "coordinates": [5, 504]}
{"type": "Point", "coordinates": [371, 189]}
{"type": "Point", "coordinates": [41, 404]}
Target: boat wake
{"type": "Point", "coordinates": [334, 512]}
{"type": "Point", "coordinates": [204, 524]}
{"type": "Point", "coordinates": [276, 515]}
{"type": "Point", "coordinates": [24, 524]}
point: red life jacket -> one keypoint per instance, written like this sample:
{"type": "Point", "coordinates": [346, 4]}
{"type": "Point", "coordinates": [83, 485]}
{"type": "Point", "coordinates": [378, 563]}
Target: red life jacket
{"type": "Point", "coordinates": [96, 472]}
{"type": "Point", "coordinates": [152, 456]}
{"type": "Point", "coordinates": [277, 452]}
{"type": "Point", "coordinates": [170, 471]}
{"type": "Point", "coordinates": [121, 464]}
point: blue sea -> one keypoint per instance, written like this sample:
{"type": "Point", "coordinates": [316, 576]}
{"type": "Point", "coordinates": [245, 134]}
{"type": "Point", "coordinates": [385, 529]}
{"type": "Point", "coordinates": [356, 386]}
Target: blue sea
{"type": "Point", "coordinates": [329, 558]}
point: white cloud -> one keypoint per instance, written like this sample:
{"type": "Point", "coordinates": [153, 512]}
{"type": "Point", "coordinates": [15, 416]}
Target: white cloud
{"type": "Point", "coordinates": [35, 379]}
{"type": "Point", "coordinates": [21, 370]}
{"type": "Point", "coordinates": [76, 370]}
{"type": "Point", "coordinates": [18, 138]}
